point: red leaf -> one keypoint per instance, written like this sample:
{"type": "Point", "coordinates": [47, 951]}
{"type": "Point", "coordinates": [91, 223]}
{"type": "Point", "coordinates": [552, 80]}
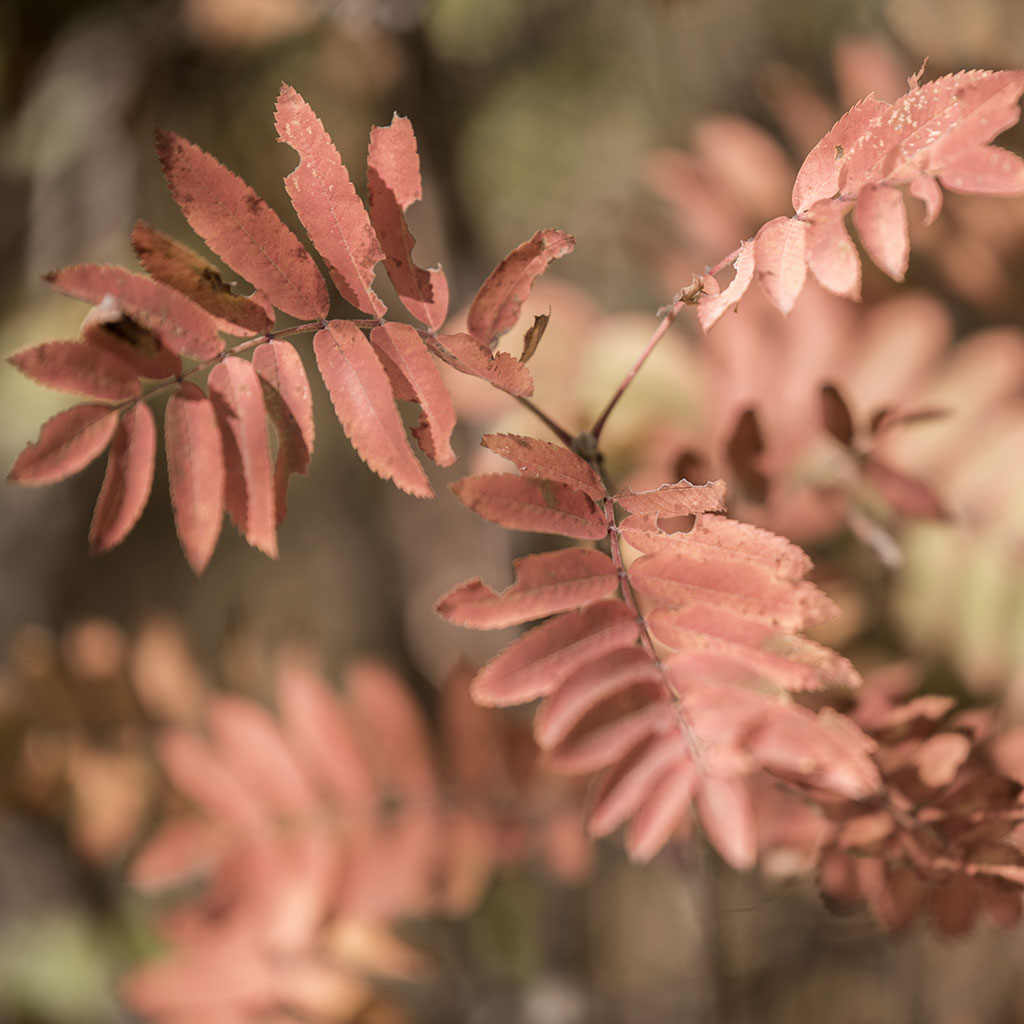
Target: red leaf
{"type": "Point", "coordinates": [588, 686]}
{"type": "Point", "coordinates": [907, 496]}
{"type": "Point", "coordinates": [177, 266]}
{"type": "Point", "coordinates": [540, 506]}
{"type": "Point", "coordinates": [555, 581]}
{"type": "Point", "coordinates": [880, 217]}
{"type": "Point", "coordinates": [926, 188]}
{"type": "Point", "coordinates": [495, 309]}
{"type": "Point", "coordinates": [537, 663]}
{"type": "Point", "coordinates": [181, 849]}
{"type": "Point", "coordinates": [679, 499]}
{"type": "Point", "coordinates": [324, 739]}
{"type": "Point", "coordinates": [728, 819]}
{"type": "Point", "coordinates": [199, 774]}
{"type": "Point", "coordinates": [990, 171]}
{"type": "Point", "coordinates": [241, 229]}
{"type": "Point", "coordinates": [248, 492]}
{"type": "Point", "coordinates": [780, 253]}
{"type": "Point", "coordinates": [660, 816]}
{"type": "Point", "coordinates": [195, 467]}
{"type": "Point", "coordinates": [249, 744]}
{"type": "Point", "coordinates": [630, 783]}
{"type": "Point", "coordinates": [178, 323]}
{"type": "Point", "coordinates": [325, 200]}
{"type": "Point", "coordinates": [403, 346]}
{"type": "Point", "coordinates": [67, 443]}
{"type": "Point", "coordinates": [109, 329]}
{"type": "Point", "coordinates": [361, 395]}
{"type": "Point", "coordinates": [939, 758]}
{"type": "Point", "coordinates": [290, 405]}
{"type": "Point", "coordinates": [745, 587]}
{"type": "Point", "coordinates": [128, 480]}
{"type": "Point", "coordinates": [501, 370]}
{"type": "Point", "coordinates": [392, 729]}
{"type": "Point", "coordinates": [599, 744]}
{"type": "Point", "coordinates": [818, 177]}
{"type": "Point", "coordinates": [79, 367]}
{"type": "Point", "coordinates": [831, 254]}
{"type": "Point", "coordinates": [393, 181]}
{"type": "Point", "coordinates": [712, 307]}
{"type": "Point", "coordinates": [543, 460]}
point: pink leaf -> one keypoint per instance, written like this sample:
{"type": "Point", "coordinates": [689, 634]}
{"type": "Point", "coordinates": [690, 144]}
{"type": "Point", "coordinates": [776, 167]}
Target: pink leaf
{"type": "Point", "coordinates": [728, 819]}
{"type": "Point", "coordinates": [179, 324]}
{"type": "Point", "coordinates": [541, 506]}
{"type": "Point", "coordinates": [629, 784]}
{"type": "Point", "coordinates": [177, 266]}
{"type": "Point", "coordinates": [241, 229]}
{"type": "Point", "coordinates": [600, 744]}
{"type": "Point", "coordinates": [679, 499]}
{"type": "Point", "coordinates": [831, 254]}
{"type": "Point", "coordinates": [991, 172]}
{"type": "Point", "coordinates": [818, 177]}
{"type": "Point", "coordinates": [926, 188]}
{"type": "Point", "coordinates": [661, 814]}
{"type": "Point", "coordinates": [79, 367]}
{"type": "Point", "coordinates": [554, 581]}
{"type": "Point", "coordinates": [501, 370]}
{"type": "Point", "coordinates": [290, 405]}
{"type": "Point", "coordinates": [546, 461]}
{"type": "Point", "coordinates": [361, 395]}
{"type": "Point", "coordinates": [780, 253]}
{"type": "Point", "coordinates": [939, 758]}
{"type": "Point", "coordinates": [195, 466]}
{"type": "Point", "coordinates": [181, 849]}
{"type": "Point", "coordinates": [323, 196]}
{"type": "Point", "coordinates": [402, 345]}
{"type": "Point", "coordinates": [393, 181]}
{"type": "Point", "coordinates": [537, 663]}
{"type": "Point", "coordinates": [711, 308]}
{"type": "Point", "coordinates": [880, 217]}
{"type": "Point", "coordinates": [249, 493]}
{"type": "Point", "coordinates": [597, 680]}
{"type": "Point", "coordinates": [128, 479]}
{"type": "Point", "coordinates": [67, 443]}
{"type": "Point", "coordinates": [496, 306]}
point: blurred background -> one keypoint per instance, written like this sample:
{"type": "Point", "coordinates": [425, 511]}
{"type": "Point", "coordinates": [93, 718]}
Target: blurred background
{"type": "Point", "coordinates": [529, 114]}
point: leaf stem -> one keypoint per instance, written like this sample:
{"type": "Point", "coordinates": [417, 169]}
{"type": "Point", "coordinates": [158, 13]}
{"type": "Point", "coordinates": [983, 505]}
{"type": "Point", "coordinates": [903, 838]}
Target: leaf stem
{"type": "Point", "coordinates": [561, 433]}
{"type": "Point", "coordinates": [666, 321]}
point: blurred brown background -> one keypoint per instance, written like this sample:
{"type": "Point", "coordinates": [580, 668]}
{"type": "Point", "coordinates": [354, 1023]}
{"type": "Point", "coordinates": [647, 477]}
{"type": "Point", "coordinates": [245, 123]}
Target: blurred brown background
{"type": "Point", "coordinates": [529, 113]}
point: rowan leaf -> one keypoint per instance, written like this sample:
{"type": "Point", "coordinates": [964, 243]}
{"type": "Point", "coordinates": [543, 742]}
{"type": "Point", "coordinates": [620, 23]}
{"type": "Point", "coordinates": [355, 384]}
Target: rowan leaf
{"type": "Point", "coordinates": [501, 369]}
{"type": "Point", "coordinates": [109, 329]}
{"type": "Point", "coordinates": [544, 460]}
{"type": "Point", "coordinates": [661, 813]}
{"type": "Point", "coordinates": [713, 306]}
{"type": "Point", "coordinates": [327, 204]}
{"type": "Point", "coordinates": [678, 499]}
{"type": "Point", "coordinates": [990, 171]}
{"type": "Point", "coordinates": [361, 395]}
{"type": "Point", "coordinates": [496, 306]}
{"type": "Point", "coordinates": [539, 506]}
{"type": "Point", "coordinates": [67, 443]}
{"type": "Point", "coordinates": [195, 467]}
{"type": "Point", "coordinates": [127, 481]}
{"type": "Point", "coordinates": [727, 814]}
{"type": "Point", "coordinates": [831, 255]}
{"type": "Point", "coordinates": [540, 661]}
{"type": "Point", "coordinates": [880, 216]}
{"type": "Point", "coordinates": [242, 229]}
{"type": "Point", "coordinates": [394, 184]}
{"type": "Point", "coordinates": [237, 397]}
{"type": "Point", "coordinates": [78, 367]}
{"type": "Point", "coordinates": [407, 353]}
{"type": "Point", "coordinates": [780, 253]}
{"type": "Point", "coordinates": [554, 581]}
{"type": "Point", "coordinates": [176, 265]}
{"type": "Point", "coordinates": [594, 682]}
{"type": "Point", "coordinates": [289, 402]}
{"type": "Point", "coordinates": [819, 175]}
{"type": "Point", "coordinates": [180, 325]}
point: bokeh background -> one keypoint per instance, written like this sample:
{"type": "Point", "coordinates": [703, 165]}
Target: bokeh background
{"type": "Point", "coordinates": [529, 113]}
